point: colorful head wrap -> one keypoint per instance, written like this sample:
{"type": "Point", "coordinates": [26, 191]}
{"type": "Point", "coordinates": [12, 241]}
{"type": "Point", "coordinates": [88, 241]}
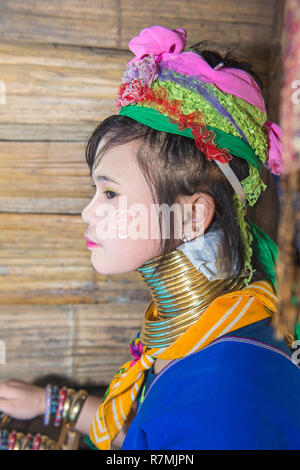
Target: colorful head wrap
{"type": "Point", "coordinates": [175, 90]}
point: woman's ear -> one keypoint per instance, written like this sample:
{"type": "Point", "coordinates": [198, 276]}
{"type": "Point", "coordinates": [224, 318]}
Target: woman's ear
{"type": "Point", "coordinates": [197, 213]}
{"type": "Point", "coordinates": [209, 209]}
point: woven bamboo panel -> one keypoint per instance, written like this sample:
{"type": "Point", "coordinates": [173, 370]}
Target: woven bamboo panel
{"type": "Point", "coordinates": [58, 315]}
{"type": "Point", "coordinates": [57, 93]}
{"type": "Point", "coordinates": [44, 260]}
{"type": "Point", "coordinates": [83, 343]}
{"type": "Point", "coordinates": [241, 24]}
{"type": "Point", "coordinates": [76, 22]}
{"type": "Point", "coordinates": [44, 177]}
{"type": "Point", "coordinates": [111, 24]}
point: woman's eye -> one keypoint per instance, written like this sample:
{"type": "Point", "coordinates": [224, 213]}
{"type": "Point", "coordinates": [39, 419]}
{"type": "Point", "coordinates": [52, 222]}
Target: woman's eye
{"type": "Point", "coordinates": [105, 192]}
{"type": "Point", "coordinates": [111, 192]}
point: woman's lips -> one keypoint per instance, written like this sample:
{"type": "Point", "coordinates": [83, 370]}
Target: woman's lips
{"type": "Point", "coordinates": [91, 244]}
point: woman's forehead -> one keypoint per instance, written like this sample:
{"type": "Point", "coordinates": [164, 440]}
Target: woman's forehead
{"type": "Point", "coordinates": [119, 163]}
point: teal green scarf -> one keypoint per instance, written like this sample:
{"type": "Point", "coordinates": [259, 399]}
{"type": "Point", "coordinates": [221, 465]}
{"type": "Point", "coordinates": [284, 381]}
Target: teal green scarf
{"type": "Point", "coordinates": [266, 250]}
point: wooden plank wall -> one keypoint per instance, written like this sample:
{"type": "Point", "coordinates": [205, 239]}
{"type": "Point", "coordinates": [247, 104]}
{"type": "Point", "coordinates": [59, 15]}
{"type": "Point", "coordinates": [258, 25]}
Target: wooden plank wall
{"type": "Point", "coordinates": [62, 63]}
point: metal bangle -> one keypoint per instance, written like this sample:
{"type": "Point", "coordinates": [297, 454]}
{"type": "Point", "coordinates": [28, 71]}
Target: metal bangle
{"type": "Point", "coordinates": [19, 441]}
{"type": "Point", "coordinates": [77, 405]}
{"type": "Point", "coordinates": [68, 402]}
{"type": "Point", "coordinates": [27, 442]}
{"type": "Point", "coordinates": [42, 443]}
{"type": "Point", "coordinates": [50, 444]}
{"type": "Point", "coordinates": [45, 442]}
{"type": "Point", "coordinates": [4, 419]}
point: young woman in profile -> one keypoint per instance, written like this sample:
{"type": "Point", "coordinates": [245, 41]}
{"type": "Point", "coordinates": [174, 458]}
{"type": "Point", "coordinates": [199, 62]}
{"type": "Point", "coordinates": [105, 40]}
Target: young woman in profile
{"type": "Point", "coordinates": [207, 371]}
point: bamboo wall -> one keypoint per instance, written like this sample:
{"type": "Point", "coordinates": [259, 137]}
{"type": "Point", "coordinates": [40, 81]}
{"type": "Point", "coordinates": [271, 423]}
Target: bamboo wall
{"type": "Point", "coordinates": [62, 63]}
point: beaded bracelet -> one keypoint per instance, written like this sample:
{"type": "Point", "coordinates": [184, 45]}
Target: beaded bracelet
{"type": "Point", "coordinates": [12, 440]}
{"type": "Point", "coordinates": [53, 394]}
{"type": "Point", "coordinates": [61, 402]}
{"type": "Point", "coordinates": [36, 442]}
{"type": "Point", "coordinates": [54, 399]}
{"type": "Point", "coordinates": [48, 405]}
{"type": "Point", "coordinates": [4, 436]}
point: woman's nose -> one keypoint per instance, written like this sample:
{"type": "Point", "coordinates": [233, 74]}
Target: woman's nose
{"type": "Point", "coordinates": [86, 213]}
{"type": "Point", "coordinates": [83, 215]}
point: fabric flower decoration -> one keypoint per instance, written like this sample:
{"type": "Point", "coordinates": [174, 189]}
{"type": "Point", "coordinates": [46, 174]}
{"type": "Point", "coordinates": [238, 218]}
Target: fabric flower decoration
{"type": "Point", "coordinates": [144, 70]}
{"type": "Point", "coordinates": [136, 349]}
{"type": "Point", "coordinates": [156, 40]}
{"type": "Point", "coordinates": [130, 93]}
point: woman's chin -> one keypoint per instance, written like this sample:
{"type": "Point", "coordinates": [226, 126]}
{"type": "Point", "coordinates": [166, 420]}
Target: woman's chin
{"type": "Point", "coordinates": [100, 265]}
{"type": "Point", "coordinates": [100, 268]}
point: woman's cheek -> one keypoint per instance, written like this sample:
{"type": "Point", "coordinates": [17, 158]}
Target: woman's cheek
{"type": "Point", "coordinates": [123, 220]}
{"type": "Point", "coordinates": [106, 228]}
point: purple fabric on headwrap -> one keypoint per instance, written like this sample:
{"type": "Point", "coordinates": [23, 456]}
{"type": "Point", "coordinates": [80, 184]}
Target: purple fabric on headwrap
{"type": "Point", "coordinates": [186, 81]}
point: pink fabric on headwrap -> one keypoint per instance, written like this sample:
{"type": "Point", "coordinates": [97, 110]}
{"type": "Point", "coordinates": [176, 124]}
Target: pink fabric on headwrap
{"type": "Point", "coordinates": [275, 147]}
{"type": "Point", "coordinates": [168, 45]}
{"type": "Point", "coordinates": [156, 40]}
{"type": "Point", "coordinates": [165, 47]}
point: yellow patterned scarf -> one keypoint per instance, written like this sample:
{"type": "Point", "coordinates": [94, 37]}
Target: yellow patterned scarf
{"type": "Point", "coordinates": [226, 313]}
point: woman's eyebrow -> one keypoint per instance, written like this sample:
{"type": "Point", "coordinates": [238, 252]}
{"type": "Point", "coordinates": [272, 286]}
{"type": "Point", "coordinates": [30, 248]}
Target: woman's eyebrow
{"type": "Point", "coordinates": [105, 178]}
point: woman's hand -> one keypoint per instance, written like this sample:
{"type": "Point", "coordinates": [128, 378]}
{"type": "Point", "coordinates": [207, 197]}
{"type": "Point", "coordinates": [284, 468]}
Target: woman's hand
{"type": "Point", "coordinates": [22, 400]}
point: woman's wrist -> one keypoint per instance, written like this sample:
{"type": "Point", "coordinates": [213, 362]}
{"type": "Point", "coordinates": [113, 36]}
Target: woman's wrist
{"type": "Point", "coordinates": [86, 416]}
{"type": "Point", "coordinates": [42, 404]}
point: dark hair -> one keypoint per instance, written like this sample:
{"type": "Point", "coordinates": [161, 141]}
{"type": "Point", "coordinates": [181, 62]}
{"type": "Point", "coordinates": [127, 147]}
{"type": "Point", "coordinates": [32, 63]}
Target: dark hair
{"type": "Point", "coordinates": [173, 165]}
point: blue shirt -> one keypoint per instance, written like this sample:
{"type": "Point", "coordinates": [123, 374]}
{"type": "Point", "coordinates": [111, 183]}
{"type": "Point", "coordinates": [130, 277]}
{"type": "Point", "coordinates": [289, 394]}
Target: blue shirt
{"type": "Point", "coordinates": [229, 395]}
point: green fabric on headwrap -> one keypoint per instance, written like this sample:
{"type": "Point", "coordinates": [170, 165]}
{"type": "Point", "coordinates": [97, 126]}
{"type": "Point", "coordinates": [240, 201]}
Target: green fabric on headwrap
{"type": "Point", "coordinates": [152, 118]}
{"type": "Point", "coordinates": [266, 250]}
